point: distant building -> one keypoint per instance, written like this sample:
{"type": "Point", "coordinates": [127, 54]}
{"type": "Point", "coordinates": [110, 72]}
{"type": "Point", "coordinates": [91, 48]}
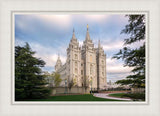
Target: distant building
{"type": "Point", "coordinates": [112, 85]}
{"type": "Point", "coordinates": [85, 65]}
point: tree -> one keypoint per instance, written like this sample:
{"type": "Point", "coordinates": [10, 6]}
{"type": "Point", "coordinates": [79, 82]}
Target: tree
{"type": "Point", "coordinates": [134, 57]}
{"type": "Point", "coordinates": [49, 78]}
{"type": "Point", "coordinates": [74, 82]}
{"type": "Point", "coordinates": [57, 79]}
{"type": "Point", "coordinates": [70, 84]}
{"type": "Point", "coordinates": [29, 80]}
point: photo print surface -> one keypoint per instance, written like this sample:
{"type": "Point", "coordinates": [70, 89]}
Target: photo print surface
{"type": "Point", "coordinates": [80, 57]}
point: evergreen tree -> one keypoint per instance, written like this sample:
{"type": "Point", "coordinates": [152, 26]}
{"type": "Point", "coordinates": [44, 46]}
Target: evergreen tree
{"type": "Point", "coordinates": [134, 57]}
{"type": "Point", "coordinates": [29, 80]}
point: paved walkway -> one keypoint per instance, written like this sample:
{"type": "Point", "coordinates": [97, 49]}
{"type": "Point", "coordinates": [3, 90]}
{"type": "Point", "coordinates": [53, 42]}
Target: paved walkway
{"type": "Point", "coordinates": [105, 95]}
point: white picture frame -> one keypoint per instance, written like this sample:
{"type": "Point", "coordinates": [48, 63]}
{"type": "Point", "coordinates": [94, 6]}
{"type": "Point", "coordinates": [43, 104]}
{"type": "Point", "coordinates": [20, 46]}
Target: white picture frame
{"type": "Point", "coordinates": [8, 107]}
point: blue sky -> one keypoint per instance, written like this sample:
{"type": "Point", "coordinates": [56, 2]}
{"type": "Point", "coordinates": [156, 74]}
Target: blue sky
{"type": "Point", "coordinates": [49, 35]}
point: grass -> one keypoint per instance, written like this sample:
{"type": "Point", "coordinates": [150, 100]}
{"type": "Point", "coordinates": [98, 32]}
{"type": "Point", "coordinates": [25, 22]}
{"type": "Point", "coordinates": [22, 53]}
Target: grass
{"type": "Point", "coordinates": [85, 97]}
{"type": "Point", "coordinates": [134, 96]}
{"type": "Point", "coordinates": [117, 95]}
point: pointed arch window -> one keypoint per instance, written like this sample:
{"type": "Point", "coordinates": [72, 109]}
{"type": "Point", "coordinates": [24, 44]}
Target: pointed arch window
{"type": "Point", "coordinates": [90, 58]}
{"type": "Point", "coordinates": [76, 56]}
{"type": "Point", "coordinates": [102, 71]}
{"type": "Point", "coordinates": [76, 64]}
{"type": "Point", "coordinates": [102, 62]}
{"type": "Point", "coordinates": [91, 69]}
{"type": "Point", "coordinates": [76, 70]}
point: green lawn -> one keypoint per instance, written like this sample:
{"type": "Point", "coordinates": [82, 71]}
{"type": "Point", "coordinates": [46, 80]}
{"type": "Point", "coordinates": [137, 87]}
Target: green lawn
{"type": "Point", "coordinates": [117, 94]}
{"type": "Point", "coordinates": [85, 97]}
{"type": "Point", "coordinates": [134, 96]}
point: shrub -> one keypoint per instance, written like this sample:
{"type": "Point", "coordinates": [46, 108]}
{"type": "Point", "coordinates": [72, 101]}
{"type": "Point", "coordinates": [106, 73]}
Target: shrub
{"type": "Point", "coordinates": [135, 96]}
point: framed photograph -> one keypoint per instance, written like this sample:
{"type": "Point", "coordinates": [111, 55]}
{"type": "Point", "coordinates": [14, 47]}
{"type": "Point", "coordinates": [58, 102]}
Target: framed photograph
{"type": "Point", "coordinates": [80, 71]}
{"type": "Point", "coordinates": [82, 57]}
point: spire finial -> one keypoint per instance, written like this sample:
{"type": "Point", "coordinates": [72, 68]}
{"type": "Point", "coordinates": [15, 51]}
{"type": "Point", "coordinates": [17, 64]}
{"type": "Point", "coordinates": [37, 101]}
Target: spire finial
{"type": "Point", "coordinates": [87, 35]}
{"type": "Point", "coordinates": [73, 35]}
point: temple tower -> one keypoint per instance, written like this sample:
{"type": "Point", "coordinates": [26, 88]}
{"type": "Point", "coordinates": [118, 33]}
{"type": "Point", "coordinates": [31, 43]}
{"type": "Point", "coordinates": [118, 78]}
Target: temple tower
{"type": "Point", "coordinates": [74, 61]}
{"type": "Point", "coordinates": [58, 63]}
{"type": "Point", "coordinates": [89, 58]}
{"type": "Point", "coordinates": [101, 67]}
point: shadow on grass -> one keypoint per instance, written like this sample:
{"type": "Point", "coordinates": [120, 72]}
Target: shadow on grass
{"type": "Point", "coordinates": [85, 97]}
{"type": "Point", "coordinates": [134, 96]}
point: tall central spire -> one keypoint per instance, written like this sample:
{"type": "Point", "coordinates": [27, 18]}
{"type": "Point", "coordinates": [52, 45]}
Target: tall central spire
{"type": "Point", "coordinates": [59, 60]}
{"type": "Point", "coordinates": [87, 35]}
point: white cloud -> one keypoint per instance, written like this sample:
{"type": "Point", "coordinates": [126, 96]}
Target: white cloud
{"type": "Point", "coordinates": [96, 17]}
{"type": "Point", "coordinates": [19, 42]}
{"type": "Point", "coordinates": [48, 54]}
{"type": "Point", "coordinates": [92, 18]}
{"type": "Point", "coordinates": [110, 61]}
{"type": "Point", "coordinates": [59, 20]}
{"type": "Point", "coordinates": [120, 19]}
{"type": "Point", "coordinates": [116, 76]}
{"type": "Point", "coordinates": [113, 45]}
{"type": "Point", "coordinates": [118, 69]}
{"type": "Point", "coordinates": [51, 59]}
{"type": "Point", "coordinates": [20, 24]}
{"type": "Point", "coordinates": [25, 23]}
{"type": "Point", "coordinates": [80, 43]}
{"type": "Point", "coordinates": [114, 66]}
